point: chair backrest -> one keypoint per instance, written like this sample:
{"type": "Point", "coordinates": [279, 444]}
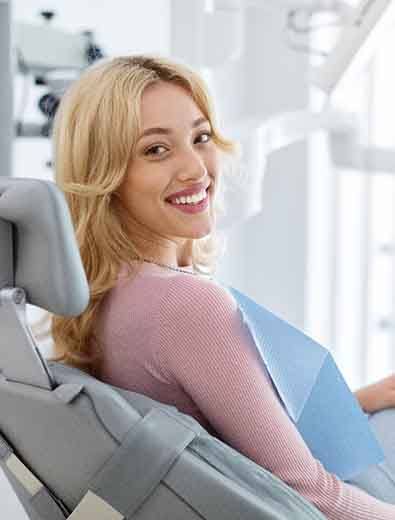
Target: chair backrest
{"type": "Point", "coordinates": [37, 246]}
{"type": "Point", "coordinates": [74, 447]}
{"type": "Point", "coordinates": [39, 264]}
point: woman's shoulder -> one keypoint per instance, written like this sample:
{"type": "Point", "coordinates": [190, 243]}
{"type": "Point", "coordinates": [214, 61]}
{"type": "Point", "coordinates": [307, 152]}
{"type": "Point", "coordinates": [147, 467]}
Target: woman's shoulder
{"type": "Point", "coordinates": [181, 293]}
{"type": "Point", "coordinates": [191, 295]}
{"type": "Point", "coordinates": [200, 285]}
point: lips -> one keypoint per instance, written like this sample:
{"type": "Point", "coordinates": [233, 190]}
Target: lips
{"type": "Point", "coordinates": [193, 190]}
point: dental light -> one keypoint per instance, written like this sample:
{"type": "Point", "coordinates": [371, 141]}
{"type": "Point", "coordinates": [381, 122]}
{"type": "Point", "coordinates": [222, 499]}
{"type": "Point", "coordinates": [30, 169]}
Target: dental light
{"type": "Point", "coordinates": [52, 58]}
{"type": "Point", "coordinates": [369, 22]}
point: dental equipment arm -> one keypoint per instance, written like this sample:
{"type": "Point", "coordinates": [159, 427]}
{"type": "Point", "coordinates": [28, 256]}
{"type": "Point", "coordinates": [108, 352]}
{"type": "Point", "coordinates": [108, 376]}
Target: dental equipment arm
{"type": "Point", "coordinates": [360, 37]}
{"type": "Point", "coordinates": [259, 138]}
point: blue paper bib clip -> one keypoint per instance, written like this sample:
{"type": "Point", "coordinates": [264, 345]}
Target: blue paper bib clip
{"type": "Point", "coordinates": [313, 391]}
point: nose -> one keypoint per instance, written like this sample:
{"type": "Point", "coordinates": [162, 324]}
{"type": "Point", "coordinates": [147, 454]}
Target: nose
{"type": "Point", "coordinates": [192, 165]}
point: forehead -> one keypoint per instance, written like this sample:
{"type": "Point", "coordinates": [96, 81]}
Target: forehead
{"type": "Point", "coordinates": [164, 104]}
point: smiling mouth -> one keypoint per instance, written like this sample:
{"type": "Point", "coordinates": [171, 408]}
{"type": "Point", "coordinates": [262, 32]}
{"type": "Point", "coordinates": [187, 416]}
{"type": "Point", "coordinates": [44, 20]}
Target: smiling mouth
{"type": "Point", "coordinates": [192, 207]}
{"type": "Point", "coordinates": [182, 200]}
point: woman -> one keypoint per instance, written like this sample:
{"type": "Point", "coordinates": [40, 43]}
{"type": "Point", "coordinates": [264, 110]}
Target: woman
{"type": "Point", "coordinates": [140, 158]}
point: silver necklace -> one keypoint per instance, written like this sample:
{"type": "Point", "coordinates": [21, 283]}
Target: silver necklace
{"type": "Point", "coordinates": [175, 268]}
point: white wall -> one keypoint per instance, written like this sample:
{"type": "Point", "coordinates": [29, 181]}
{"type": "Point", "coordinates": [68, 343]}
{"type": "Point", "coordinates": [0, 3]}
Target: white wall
{"type": "Point", "coordinates": [275, 242]}
{"type": "Point", "coordinates": [6, 89]}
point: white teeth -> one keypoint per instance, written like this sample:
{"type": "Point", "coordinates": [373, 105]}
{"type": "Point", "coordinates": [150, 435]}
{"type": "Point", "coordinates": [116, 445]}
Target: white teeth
{"type": "Point", "coordinates": [194, 199]}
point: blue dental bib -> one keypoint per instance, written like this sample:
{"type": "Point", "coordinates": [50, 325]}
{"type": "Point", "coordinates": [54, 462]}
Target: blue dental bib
{"type": "Point", "coordinates": [313, 392]}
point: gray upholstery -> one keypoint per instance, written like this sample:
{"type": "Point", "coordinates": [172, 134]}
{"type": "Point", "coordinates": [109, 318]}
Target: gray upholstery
{"type": "Point", "coordinates": [35, 226]}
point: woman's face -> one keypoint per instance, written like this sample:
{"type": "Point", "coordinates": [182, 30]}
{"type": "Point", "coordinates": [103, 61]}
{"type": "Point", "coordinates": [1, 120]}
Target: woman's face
{"type": "Point", "coordinates": [174, 152]}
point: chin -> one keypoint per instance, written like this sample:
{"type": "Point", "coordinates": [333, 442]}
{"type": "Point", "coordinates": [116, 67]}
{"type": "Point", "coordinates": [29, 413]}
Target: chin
{"type": "Point", "coordinates": [201, 233]}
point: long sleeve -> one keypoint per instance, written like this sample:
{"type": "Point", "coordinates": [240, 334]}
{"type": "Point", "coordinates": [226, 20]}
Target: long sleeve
{"type": "Point", "coordinates": [205, 346]}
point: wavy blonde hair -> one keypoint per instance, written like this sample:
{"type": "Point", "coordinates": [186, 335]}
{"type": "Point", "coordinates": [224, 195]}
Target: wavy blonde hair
{"type": "Point", "coordinates": [95, 132]}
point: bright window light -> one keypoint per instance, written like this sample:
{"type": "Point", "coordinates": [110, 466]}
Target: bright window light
{"type": "Point", "coordinates": [370, 20]}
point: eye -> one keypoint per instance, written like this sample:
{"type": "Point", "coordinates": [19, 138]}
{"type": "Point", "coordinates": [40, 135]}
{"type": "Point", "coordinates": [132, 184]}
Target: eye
{"type": "Point", "coordinates": [156, 150]}
{"type": "Point", "coordinates": [204, 137]}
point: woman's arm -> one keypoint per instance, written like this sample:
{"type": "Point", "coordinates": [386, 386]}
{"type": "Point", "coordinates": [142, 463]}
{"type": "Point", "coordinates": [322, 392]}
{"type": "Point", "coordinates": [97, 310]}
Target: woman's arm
{"type": "Point", "coordinates": [206, 348]}
{"type": "Point", "coordinates": [377, 396]}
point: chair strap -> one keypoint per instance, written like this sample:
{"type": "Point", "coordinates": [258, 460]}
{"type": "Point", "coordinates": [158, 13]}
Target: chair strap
{"type": "Point", "coordinates": [39, 497]}
{"type": "Point", "coordinates": [137, 467]}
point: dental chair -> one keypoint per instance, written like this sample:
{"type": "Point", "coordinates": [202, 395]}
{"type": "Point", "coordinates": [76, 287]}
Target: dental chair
{"type": "Point", "coordinates": [74, 447]}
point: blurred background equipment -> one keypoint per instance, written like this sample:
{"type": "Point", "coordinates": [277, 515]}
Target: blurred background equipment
{"type": "Point", "coordinates": [50, 57]}
{"type": "Point", "coordinates": [361, 36]}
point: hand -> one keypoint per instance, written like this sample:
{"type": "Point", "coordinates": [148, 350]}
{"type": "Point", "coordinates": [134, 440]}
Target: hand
{"type": "Point", "coordinates": [377, 396]}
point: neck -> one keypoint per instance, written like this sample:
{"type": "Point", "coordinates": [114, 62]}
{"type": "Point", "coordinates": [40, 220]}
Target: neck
{"type": "Point", "coordinates": [174, 251]}
{"type": "Point", "coordinates": [186, 269]}
{"type": "Point", "coordinates": [168, 259]}
{"type": "Point", "coordinates": [177, 256]}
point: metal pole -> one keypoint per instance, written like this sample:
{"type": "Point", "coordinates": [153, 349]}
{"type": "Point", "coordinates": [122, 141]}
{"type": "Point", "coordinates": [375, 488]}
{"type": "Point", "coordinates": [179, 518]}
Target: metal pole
{"type": "Point", "coordinates": [6, 98]}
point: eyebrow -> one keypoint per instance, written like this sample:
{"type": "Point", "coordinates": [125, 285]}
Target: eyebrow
{"type": "Point", "coordinates": [166, 131]}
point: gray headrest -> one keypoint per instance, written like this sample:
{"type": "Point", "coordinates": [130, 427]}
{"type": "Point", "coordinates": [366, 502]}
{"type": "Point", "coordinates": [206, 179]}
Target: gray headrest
{"type": "Point", "coordinates": [38, 250]}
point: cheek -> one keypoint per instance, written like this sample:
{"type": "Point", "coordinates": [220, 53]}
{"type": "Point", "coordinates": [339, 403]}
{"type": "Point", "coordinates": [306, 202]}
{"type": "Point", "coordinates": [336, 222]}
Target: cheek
{"type": "Point", "coordinates": [129, 194]}
{"type": "Point", "coordinates": [213, 162]}
{"type": "Point", "coordinates": [126, 192]}
{"type": "Point", "coordinates": [135, 183]}
{"type": "Point", "coordinates": [139, 191]}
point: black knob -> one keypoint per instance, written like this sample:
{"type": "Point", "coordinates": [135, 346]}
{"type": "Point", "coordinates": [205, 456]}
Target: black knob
{"type": "Point", "coordinates": [47, 15]}
{"type": "Point", "coordinates": [48, 104]}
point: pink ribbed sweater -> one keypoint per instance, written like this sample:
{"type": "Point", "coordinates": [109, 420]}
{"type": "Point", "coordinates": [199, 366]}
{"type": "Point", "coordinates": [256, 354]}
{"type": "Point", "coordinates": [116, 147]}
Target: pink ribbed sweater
{"type": "Point", "coordinates": [180, 339]}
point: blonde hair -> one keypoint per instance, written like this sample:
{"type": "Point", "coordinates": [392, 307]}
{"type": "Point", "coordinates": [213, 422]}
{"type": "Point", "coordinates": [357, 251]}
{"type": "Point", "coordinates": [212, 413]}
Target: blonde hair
{"type": "Point", "coordinates": [95, 131]}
